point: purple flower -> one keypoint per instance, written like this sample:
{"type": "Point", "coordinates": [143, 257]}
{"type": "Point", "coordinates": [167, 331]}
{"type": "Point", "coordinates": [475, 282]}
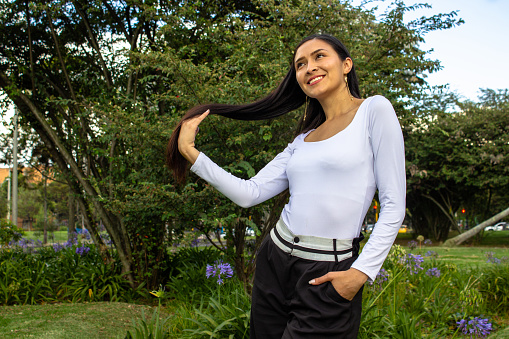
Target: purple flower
{"type": "Point", "coordinates": [82, 250]}
{"type": "Point", "coordinates": [490, 258]}
{"type": "Point", "coordinates": [427, 242]}
{"type": "Point", "coordinates": [220, 270]}
{"type": "Point", "coordinates": [210, 271]}
{"type": "Point", "coordinates": [431, 254]}
{"type": "Point", "coordinates": [85, 233]}
{"type": "Point", "coordinates": [476, 327]}
{"type": "Point", "coordinates": [412, 244]}
{"type": "Point", "coordinates": [25, 243]}
{"type": "Point", "coordinates": [381, 277]}
{"type": "Point", "coordinates": [413, 263]}
{"type": "Point", "coordinates": [433, 272]}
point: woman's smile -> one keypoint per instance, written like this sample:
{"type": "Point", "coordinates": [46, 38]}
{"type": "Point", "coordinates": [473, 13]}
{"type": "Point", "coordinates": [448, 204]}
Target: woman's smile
{"type": "Point", "coordinates": [315, 79]}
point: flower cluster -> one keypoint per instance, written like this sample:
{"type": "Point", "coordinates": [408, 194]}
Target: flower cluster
{"type": "Point", "coordinates": [413, 263]}
{"type": "Point", "coordinates": [85, 234]}
{"type": "Point", "coordinates": [381, 277]}
{"type": "Point", "coordinates": [427, 242]}
{"type": "Point", "coordinates": [476, 328]}
{"type": "Point", "coordinates": [412, 244]}
{"type": "Point", "coordinates": [82, 250]}
{"type": "Point", "coordinates": [433, 272]}
{"type": "Point", "coordinates": [68, 244]}
{"type": "Point", "coordinates": [432, 254]}
{"type": "Point", "coordinates": [25, 243]}
{"type": "Point", "coordinates": [490, 258]}
{"type": "Point", "coordinates": [195, 242]}
{"type": "Point", "coordinates": [219, 270]}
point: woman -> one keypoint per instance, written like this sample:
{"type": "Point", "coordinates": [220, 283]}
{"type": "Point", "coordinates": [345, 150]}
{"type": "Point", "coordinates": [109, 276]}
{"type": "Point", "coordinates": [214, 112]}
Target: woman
{"type": "Point", "coordinates": [309, 275]}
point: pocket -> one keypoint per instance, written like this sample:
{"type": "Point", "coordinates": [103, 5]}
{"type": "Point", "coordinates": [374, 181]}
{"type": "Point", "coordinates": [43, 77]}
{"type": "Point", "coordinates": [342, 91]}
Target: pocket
{"type": "Point", "coordinates": [334, 295]}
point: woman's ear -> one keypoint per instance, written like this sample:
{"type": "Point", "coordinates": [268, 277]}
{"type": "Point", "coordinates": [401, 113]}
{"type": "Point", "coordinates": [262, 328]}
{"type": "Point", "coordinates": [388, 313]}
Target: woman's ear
{"type": "Point", "coordinates": [347, 65]}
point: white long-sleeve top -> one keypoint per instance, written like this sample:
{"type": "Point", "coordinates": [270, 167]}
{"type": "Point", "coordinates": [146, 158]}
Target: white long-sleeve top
{"type": "Point", "coordinates": [332, 182]}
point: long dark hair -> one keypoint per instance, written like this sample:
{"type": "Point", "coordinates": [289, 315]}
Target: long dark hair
{"type": "Point", "coordinates": [287, 97]}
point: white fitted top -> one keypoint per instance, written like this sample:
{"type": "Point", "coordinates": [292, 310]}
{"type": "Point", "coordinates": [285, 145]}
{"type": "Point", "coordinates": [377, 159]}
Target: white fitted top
{"type": "Point", "coordinates": [332, 182]}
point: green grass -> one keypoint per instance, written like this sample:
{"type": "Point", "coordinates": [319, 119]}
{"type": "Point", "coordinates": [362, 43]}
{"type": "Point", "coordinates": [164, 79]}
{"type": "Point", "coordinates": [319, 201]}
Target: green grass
{"type": "Point", "coordinates": [69, 321]}
{"type": "Point", "coordinates": [500, 238]}
{"type": "Point", "coordinates": [56, 236]}
{"type": "Point", "coordinates": [463, 257]}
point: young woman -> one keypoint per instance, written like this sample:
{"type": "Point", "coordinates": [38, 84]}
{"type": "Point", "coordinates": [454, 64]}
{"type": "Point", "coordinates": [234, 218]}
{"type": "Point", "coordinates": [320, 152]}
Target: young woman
{"type": "Point", "coordinates": [309, 275]}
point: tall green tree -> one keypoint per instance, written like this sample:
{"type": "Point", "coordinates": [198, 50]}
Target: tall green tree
{"type": "Point", "coordinates": [458, 160]}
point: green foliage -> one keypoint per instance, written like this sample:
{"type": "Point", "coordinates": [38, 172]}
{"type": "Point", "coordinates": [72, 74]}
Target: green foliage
{"type": "Point", "coordinates": [406, 305]}
{"type": "Point", "coordinates": [225, 317]}
{"type": "Point", "coordinates": [457, 160]}
{"type": "Point", "coordinates": [153, 328]}
{"type": "Point", "coordinates": [24, 282]}
{"type": "Point", "coordinates": [493, 285]}
{"type": "Point", "coordinates": [97, 283]}
{"type": "Point", "coordinates": [9, 232]}
{"type": "Point", "coordinates": [187, 280]}
{"type": "Point", "coordinates": [420, 305]}
{"type": "Point", "coordinates": [35, 275]}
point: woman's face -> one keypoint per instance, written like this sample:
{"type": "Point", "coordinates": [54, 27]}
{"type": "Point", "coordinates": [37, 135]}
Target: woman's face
{"type": "Point", "coordinates": [320, 71]}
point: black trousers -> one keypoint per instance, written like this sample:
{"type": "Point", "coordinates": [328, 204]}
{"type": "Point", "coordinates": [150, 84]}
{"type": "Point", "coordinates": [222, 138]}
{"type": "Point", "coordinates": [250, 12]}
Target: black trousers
{"type": "Point", "coordinates": [285, 305]}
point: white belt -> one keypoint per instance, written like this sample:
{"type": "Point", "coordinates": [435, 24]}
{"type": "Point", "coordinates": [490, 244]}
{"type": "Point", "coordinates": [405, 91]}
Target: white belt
{"type": "Point", "coordinates": [311, 247]}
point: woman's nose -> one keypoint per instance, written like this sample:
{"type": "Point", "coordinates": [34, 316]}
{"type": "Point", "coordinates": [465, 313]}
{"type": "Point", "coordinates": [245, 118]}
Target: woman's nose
{"type": "Point", "coordinates": [311, 67]}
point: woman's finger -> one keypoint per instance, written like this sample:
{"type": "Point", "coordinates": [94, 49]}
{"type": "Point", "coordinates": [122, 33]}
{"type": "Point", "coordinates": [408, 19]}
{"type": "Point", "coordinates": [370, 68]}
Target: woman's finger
{"type": "Point", "coordinates": [194, 122]}
{"type": "Point", "coordinates": [203, 115]}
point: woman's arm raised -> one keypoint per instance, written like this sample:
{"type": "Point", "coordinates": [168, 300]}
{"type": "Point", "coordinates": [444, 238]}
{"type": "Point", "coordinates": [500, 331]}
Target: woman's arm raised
{"type": "Point", "coordinates": [187, 137]}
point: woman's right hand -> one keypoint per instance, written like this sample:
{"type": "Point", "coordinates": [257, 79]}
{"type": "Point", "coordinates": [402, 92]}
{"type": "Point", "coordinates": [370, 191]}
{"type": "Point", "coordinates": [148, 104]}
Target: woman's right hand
{"type": "Point", "coordinates": [187, 136]}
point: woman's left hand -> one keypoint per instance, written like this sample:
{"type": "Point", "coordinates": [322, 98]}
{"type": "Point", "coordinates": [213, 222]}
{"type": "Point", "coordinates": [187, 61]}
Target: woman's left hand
{"type": "Point", "coordinates": [347, 283]}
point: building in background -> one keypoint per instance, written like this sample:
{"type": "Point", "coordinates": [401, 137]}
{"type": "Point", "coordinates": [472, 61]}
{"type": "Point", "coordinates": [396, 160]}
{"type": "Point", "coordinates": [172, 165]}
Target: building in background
{"type": "Point", "coordinates": [33, 176]}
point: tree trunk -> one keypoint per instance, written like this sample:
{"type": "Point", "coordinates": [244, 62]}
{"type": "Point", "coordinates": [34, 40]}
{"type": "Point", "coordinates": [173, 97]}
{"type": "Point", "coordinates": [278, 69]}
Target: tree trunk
{"type": "Point", "coordinates": [71, 228]}
{"type": "Point", "coordinates": [472, 232]}
{"type": "Point", "coordinates": [45, 240]}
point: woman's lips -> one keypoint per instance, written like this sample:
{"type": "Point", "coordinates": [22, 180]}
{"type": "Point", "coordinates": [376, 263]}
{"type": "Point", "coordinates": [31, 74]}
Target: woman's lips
{"type": "Point", "coordinates": [315, 80]}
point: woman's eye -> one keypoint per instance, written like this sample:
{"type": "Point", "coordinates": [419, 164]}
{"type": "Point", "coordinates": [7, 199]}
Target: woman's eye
{"type": "Point", "coordinates": [319, 56]}
{"type": "Point", "coordinates": [299, 65]}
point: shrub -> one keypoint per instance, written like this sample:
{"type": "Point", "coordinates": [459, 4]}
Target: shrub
{"type": "Point", "coordinates": [188, 280]}
{"type": "Point", "coordinates": [71, 272]}
{"type": "Point", "coordinates": [9, 232]}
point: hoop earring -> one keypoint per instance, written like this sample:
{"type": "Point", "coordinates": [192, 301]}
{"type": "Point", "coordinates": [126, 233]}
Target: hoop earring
{"type": "Point", "coordinates": [348, 88]}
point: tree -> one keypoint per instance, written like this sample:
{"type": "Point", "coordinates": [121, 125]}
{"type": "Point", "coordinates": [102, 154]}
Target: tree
{"type": "Point", "coordinates": [458, 160]}
{"type": "Point", "coordinates": [102, 83]}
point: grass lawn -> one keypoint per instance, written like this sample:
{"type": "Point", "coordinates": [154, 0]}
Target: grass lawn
{"type": "Point", "coordinates": [56, 236]}
{"type": "Point", "coordinates": [464, 257]}
{"type": "Point", "coordinates": [69, 321]}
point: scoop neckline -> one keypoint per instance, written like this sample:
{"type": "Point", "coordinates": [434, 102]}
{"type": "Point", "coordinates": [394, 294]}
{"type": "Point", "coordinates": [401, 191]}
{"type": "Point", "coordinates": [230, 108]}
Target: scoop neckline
{"type": "Point", "coordinates": [343, 130]}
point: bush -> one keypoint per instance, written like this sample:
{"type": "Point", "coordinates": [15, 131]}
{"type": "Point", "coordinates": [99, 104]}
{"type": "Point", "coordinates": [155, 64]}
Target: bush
{"type": "Point", "coordinates": [9, 232]}
{"type": "Point", "coordinates": [188, 281]}
{"type": "Point", "coordinates": [68, 272]}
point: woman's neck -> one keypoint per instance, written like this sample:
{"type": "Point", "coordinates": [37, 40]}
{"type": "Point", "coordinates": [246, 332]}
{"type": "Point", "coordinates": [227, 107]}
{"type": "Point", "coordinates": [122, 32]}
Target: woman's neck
{"type": "Point", "coordinates": [338, 106]}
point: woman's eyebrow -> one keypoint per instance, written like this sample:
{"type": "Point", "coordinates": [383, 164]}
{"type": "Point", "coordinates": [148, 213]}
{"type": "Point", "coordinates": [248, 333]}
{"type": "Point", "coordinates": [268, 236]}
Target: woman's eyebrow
{"type": "Point", "coordinates": [318, 50]}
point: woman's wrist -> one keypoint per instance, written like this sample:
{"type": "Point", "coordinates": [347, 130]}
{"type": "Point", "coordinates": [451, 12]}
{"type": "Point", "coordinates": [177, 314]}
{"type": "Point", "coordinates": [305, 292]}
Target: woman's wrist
{"type": "Point", "coordinates": [190, 153]}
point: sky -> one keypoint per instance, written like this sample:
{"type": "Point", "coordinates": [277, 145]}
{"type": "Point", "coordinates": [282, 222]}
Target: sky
{"type": "Point", "coordinates": [473, 55]}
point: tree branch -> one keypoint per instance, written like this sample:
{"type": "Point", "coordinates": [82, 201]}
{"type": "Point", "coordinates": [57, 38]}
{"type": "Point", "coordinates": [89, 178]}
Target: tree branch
{"type": "Point", "coordinates": [95, 45]}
